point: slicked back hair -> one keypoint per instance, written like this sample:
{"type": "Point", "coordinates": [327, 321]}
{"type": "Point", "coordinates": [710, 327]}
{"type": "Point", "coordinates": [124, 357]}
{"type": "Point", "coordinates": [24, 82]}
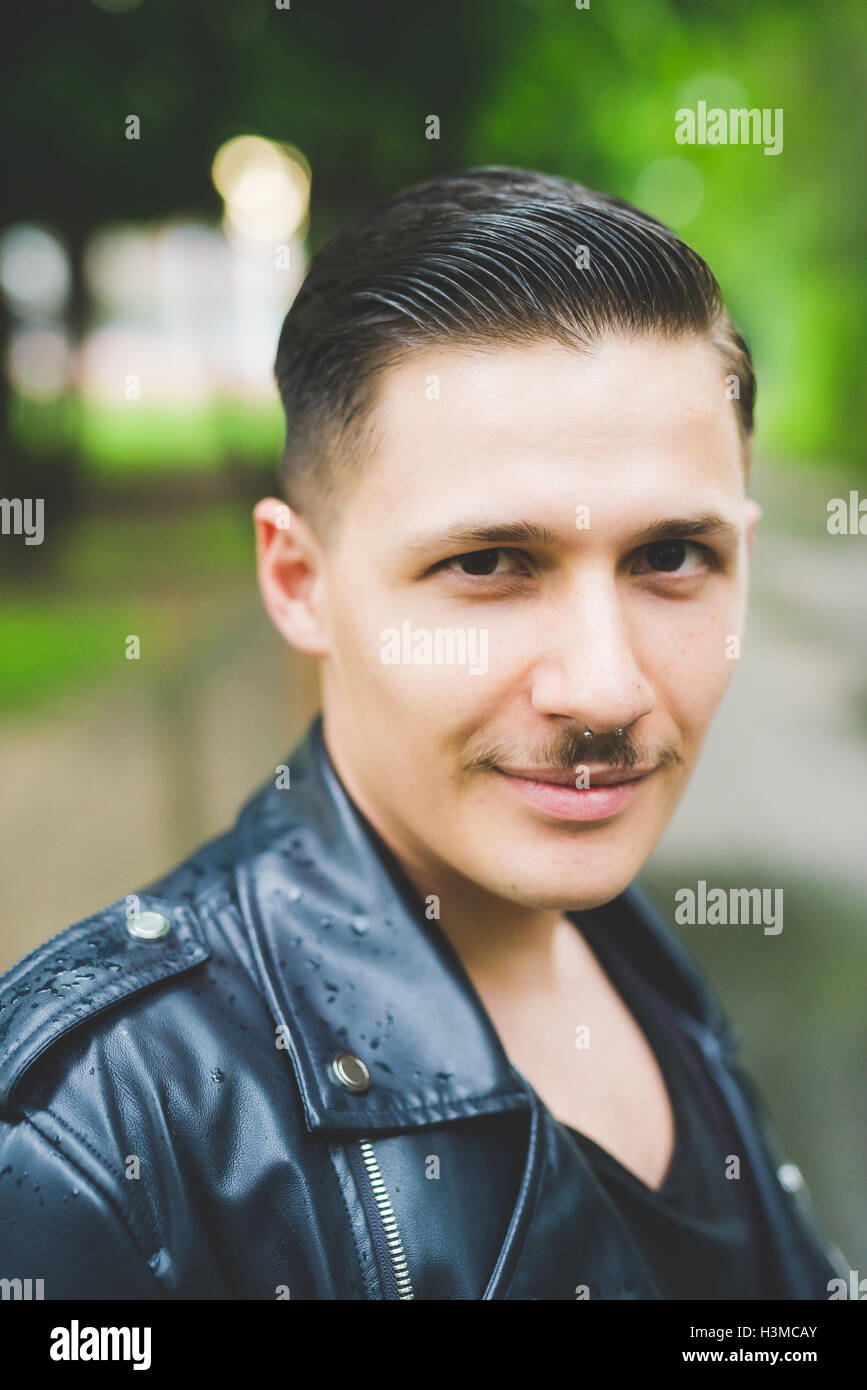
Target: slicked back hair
{"type": "Point", "coordinates": [485, 258]}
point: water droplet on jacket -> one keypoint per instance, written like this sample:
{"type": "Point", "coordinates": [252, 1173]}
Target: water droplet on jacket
{"type": "Point", "coordinates": [329, 985]}
{"type": "Point", "coordinates": [444, 1075]}
{"type": "Point", "coordinates": [360, 925]}
{"type": "Point", "coordinates": [374, 1042]}
{"type": "Point", "coordinates": [217, 1075]}
{"type": "Point", "coordinates": [293, 894]}
{"type": "Point", "coordinates": [325, 922]}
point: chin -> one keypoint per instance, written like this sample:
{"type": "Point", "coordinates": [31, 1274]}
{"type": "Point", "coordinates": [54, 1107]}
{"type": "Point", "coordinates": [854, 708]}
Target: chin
{"type": "Point", "coordinates": [577, 891]}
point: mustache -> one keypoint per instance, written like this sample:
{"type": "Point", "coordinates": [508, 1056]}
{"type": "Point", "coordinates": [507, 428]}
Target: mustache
{"type": "Point", "coordinates": [570, 748]}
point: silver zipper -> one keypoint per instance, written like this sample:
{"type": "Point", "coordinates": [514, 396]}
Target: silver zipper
{"type": "Point", "coordinates": [389, 1224]}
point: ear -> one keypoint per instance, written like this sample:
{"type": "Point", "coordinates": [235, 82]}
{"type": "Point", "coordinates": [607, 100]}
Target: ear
{"type": "Point", "coordinates": [291, 581]}
{"type": "Point", "coordinates": [752, 517]}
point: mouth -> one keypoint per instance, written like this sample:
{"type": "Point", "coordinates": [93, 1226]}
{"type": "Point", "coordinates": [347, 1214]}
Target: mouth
{"type": "Point", "coordinates": [554, 792]}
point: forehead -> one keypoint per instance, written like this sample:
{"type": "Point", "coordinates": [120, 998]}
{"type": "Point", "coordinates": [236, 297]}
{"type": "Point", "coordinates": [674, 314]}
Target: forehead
{"type": "Point", "coordinates": [639, 417]}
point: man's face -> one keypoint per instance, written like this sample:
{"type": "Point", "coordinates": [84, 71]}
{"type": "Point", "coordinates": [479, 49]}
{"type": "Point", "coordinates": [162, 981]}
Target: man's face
{"type": "Point", "coordinates": [579, 523]}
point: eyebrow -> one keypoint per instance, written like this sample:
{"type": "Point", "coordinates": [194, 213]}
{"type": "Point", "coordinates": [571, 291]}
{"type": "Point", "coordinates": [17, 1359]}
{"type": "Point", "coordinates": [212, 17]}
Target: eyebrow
{"type": "Point", "coordinates": [709, 523]}
{"type": "Point", "coordinates": [534, 533]}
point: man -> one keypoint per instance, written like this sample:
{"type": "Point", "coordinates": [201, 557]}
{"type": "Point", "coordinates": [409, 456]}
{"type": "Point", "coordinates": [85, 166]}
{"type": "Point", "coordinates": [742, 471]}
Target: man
{"type": "Point", "coordinates": [408, 1031]}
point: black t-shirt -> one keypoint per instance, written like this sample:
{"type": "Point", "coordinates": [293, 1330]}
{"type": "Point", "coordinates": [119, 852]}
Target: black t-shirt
{"type": "Point", "coordinates": [699, 1231]}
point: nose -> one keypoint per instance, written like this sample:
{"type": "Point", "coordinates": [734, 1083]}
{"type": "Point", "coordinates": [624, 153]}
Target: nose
{"type": "Point", "coordinates": [587, 670]}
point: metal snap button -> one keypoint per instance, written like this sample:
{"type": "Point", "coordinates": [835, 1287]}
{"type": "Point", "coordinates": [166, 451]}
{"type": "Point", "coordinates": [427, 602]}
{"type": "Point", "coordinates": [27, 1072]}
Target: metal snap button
{"type": "Point", "coordinates": [148, 926]}
{"type": "Point", "coordinates": [790, 1177]}
{"type": "Point", "coordinates": [350, 1071]}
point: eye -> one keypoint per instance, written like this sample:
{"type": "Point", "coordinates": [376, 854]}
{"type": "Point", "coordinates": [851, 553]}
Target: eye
{"type": "Point", "coordinates": [482, 563]}
{"type": "Point", "coordinates": [684, 558]}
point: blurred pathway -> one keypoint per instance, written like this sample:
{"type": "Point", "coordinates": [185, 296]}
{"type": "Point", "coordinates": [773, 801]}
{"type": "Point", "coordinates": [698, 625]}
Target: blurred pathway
{"type": "Point", "coordinates": [783, 774]}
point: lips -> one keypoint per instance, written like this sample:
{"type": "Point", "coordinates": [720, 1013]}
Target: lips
{"type": "Point", "coordinates": [596, 777]}
{"type": "Point", "coordinates": [553, 792]}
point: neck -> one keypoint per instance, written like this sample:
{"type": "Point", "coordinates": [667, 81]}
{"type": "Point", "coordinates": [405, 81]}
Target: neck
{"type": "Point", "coordinates": [494, 937]}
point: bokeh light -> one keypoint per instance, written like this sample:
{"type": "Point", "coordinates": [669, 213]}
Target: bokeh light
{"type": "Point", "coordinates": [670, 189]}
{"type": "Point", "coordinates": [38, 362]}
{"type": "Point", "coordinates": [34, 271]}
{"type": "Point", "coordinates": [714, 88]}
{"type": "Point", "coordinates": [265, 186]}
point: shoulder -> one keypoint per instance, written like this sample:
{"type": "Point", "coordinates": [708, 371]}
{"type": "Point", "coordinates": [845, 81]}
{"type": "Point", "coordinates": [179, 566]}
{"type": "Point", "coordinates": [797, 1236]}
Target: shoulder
{"type": "Point", "coordinates": [67, 1058]}
{"type": "Point", "coordinates": [87, 978]}
{"type": "Point", "coordinates": [110, 1038]}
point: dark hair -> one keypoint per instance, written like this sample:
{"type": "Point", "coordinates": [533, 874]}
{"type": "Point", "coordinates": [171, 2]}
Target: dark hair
{"type": "Point", "coordinates": [484, 257]}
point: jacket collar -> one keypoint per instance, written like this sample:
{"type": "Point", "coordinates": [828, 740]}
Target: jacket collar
{"type": "Point", "coordinates": [350, 963]}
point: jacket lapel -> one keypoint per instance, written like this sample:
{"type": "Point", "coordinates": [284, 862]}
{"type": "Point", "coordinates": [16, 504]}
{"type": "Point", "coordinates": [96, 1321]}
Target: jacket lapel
{"type": "Point", "coordinates": [351, 964]}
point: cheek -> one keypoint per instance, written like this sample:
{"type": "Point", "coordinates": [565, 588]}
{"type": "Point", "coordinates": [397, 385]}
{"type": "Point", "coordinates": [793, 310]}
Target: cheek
{"type": "Point", "coordinates": [690, 660]}
{"type": "Point", "coordinates": [406, 669]}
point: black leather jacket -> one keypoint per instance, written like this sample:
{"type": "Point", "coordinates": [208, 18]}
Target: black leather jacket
{"type": "Point", "coordinates": [171, 1125]}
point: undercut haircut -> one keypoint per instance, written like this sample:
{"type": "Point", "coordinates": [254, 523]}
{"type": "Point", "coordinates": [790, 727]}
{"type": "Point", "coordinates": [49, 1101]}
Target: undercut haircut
{"type": "Point", "coordinates": [485, 258]}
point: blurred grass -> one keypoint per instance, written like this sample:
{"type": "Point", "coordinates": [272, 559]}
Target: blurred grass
{"type": "Point", "coordinates": [50, 649]}
{"type": "Point", "coordinates": [116, 576]}
{"type": "Point", "coordinates": [158, 549]}
{"type": "Point", "coordinates": [138, 437]}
